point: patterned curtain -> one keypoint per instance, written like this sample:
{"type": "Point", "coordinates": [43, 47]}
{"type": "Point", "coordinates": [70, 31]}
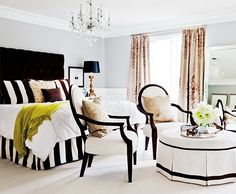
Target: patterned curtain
{"type": "Point", "coordinates": [139, 70]}
{"type": "Point", "coordinates": [192, 68]}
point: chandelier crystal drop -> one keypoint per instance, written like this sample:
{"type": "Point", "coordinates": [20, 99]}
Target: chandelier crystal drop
{"type": "Point", "coordinates": [90, 22]}
{"type": "Point", "coordinates": [216, 72]}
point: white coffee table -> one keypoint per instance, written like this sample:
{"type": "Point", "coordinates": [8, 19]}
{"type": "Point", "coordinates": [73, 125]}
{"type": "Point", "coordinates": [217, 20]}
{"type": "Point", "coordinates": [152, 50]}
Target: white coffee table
{"type": "Point", "coordinates": [201, 161]}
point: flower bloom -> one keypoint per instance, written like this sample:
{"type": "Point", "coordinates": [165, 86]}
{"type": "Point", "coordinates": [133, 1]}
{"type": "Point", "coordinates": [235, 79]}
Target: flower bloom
{"type": "Point", "coordinates": [205, 115]}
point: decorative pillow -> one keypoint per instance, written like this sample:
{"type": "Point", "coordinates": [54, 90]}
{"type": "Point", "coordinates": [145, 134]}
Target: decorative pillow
{"type": "Point", "coordinates": [96, 112]}
{"type": "Point", "coordinates": [165, 109]}
{"type": "Point", "coordinates": [52, 95]}
{"type": "Point", "coordinates": [149, 105]}
{"type": "Point", "coordinates": [64, 86]}
{"type": "Point", "coordinates": [229, 118]}
{"type": "Point", "coordinates": [16, 92]}
{"type": "Point", "coordinates": [160, 106]}
{"type": "Point", "coordinates": [37, 85]}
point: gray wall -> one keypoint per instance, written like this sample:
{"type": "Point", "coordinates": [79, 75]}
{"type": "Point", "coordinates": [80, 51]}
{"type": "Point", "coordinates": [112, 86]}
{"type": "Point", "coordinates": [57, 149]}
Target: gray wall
{"type": "Point", "coordinates": [16, 34]}
{"type": "Point", "coordinates": [221, 34]}
{"type": "Point", "coordinates": [117, 61]}
{"type": "Point", "coordinates": [118, 51]}
{"type": "Point", "coordinates": [113, 53]}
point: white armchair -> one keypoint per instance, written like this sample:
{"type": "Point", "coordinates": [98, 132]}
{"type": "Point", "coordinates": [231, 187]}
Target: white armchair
{"type": "Point", "coordinates": [116, 142]}
{"type": "Point", "coordinates": [227, 117]}
{"type": "Point", "coordinates": [153, 101]}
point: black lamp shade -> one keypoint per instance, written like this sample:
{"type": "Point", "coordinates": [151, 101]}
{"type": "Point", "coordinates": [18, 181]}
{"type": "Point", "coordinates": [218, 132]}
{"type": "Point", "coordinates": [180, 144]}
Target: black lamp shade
{"type": "Point", "coordinates": [91, 67]}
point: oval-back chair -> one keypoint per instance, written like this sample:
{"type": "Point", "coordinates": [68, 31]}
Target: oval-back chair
{"type": "Point", "coordinates": [152, 128]}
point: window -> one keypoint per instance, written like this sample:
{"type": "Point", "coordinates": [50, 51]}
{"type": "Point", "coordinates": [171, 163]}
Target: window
{"type": "Point", "coordinates": [165, 53]}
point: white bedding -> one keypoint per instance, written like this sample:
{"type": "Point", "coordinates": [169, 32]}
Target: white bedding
{"type": "Point", "coordinates": [61, 127]}
{"type": "Point", "coordinates": [125, 108]}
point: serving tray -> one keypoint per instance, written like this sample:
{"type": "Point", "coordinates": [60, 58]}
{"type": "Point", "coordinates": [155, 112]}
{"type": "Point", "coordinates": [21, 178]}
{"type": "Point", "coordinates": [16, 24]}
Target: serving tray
{"type": "Point", "coordinates": [198, 135]}
{"type": "Point", "coordinates": [198, 132]}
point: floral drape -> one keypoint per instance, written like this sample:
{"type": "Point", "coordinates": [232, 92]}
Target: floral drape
{"type": "Point", "coordinates": [139, 69]}
{"type": "Point", "coordinates": [192, 68]}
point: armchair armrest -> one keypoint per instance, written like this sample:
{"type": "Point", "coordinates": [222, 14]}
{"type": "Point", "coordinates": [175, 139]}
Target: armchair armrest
{"type": "Point", "coordinates": [181, 109]}
{"type": "Point", "coordinates": [185, 111]}
{"type": "Point", "coordinates": [129, 127]}
{"type": "Point", "coordinates": [119, 124]}
{"type": "Point", "coordinates": [226, 112]}
{"type": "Point", "coordinates": [224, 118]}
{"type": "Point", "coordinates": [87, 119]}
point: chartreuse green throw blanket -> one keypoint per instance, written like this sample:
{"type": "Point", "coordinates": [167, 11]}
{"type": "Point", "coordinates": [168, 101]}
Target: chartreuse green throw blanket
{"type": "Point", "coordinates": [28, 120]}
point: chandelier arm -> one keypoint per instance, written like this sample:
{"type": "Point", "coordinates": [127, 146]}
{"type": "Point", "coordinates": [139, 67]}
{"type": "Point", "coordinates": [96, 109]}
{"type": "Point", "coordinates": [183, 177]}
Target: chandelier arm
{"type": "Point", "coordinates": [90, 23]}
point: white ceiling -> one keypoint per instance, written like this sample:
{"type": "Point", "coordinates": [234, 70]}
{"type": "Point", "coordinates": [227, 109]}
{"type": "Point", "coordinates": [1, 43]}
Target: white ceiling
{"type": "Point", "coordinates": [135, 16]}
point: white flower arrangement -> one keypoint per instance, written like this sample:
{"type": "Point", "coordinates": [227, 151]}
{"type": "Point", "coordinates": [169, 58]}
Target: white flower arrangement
{"type": "Point", "coordinates": [205, 115]}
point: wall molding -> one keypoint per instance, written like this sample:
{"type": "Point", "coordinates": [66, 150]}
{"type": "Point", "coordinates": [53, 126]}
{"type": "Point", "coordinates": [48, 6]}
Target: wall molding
{"type": "Point", "coordinates": [32, 18]}
{"type": "Point", "coordinates": [177, 23]}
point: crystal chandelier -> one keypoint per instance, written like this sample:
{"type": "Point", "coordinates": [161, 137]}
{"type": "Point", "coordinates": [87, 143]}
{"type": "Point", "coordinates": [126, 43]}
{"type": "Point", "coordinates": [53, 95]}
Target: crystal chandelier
{"type": "Point", "coordinates": [90, 21]}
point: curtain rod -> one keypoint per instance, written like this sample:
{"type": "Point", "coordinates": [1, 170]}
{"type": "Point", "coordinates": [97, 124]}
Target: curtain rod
{"type": "Point", "coordinates": [175, 29]}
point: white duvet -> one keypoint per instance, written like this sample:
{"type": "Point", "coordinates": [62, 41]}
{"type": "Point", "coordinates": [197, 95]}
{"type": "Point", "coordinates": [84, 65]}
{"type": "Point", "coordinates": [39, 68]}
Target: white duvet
{"type": "Point", "coordinates": [125, 108]}
{"type": "Point", "coordinates": [61, 127]}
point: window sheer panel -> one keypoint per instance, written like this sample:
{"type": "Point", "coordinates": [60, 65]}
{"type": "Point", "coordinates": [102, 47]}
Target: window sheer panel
{"type": "Point", "coordinates": [165, 53]}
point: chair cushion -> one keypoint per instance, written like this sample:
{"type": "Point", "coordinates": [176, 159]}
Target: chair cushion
{"type": "Point", "coordinates": [96, 112]}
{"type": "Point", "coordinates": [111, 144]}
{"type": "Point", "coordinates": [160, 106]}
{"type": "Point", "coordinates": [147, 131]}
{"type": "Point", "coordinates": [231, 126]}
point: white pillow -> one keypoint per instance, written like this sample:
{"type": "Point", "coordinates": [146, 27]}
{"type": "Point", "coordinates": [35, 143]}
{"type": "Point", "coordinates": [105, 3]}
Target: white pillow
{"type": "Point", "coordinates": [37, 85]}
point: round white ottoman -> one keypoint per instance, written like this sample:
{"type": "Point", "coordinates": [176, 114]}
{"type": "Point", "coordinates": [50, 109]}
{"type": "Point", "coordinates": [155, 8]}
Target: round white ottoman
{"type": "Point", "coordinates": [201, 161]}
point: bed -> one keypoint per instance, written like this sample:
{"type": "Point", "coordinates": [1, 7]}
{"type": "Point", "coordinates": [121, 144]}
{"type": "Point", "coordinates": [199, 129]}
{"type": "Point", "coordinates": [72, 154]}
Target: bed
{"type": "Point", "coordinates": [17, 68]}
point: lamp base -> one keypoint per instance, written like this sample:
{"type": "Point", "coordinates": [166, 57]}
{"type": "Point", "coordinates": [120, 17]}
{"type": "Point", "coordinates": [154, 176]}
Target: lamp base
{"type": "Point", "coordinates": [91, 90]}
{"type": "Point", "coordinates": [92, 93]}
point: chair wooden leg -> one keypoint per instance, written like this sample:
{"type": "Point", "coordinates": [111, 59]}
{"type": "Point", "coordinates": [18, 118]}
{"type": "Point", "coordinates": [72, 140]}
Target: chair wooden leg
{"type": "Point", "coordinates": [154, 147]}
{"type": "Point", "coordinates": [135, 157]}
{"type": "Point", "coordinates": [129, 161]}
{"type": "Point", "coordinates": [146, 142]}
{"type": "Point", "coordinates": [84, 163]}
{"type": "Point", "coordinates": [90, 160]}
{"type": "Point", "coordinates": [154, 144]}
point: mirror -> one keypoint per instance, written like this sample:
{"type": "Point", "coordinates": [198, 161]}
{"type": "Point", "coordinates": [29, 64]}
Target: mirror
{"type": "Point", "coordinates": [220, 75]}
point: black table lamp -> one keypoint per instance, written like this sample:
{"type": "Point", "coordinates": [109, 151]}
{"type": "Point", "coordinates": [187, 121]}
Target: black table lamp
{"type": "Point", "coordinates": [91, 67]}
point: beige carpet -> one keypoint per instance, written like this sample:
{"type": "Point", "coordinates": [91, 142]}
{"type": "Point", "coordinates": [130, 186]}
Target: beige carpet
{"type": "Point", "coordinates": [108, 175]}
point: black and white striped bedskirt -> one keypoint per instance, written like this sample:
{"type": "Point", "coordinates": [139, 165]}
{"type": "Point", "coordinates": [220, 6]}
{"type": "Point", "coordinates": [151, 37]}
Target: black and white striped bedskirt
{"type": "Point", "coordinates": [63, 152]}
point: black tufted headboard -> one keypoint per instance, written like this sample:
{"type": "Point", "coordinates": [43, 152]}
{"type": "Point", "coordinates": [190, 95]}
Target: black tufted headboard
{"type": "Point", "coordinates": [20, 64]}
{"type": "Point", "coordinates": [17, 64]}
